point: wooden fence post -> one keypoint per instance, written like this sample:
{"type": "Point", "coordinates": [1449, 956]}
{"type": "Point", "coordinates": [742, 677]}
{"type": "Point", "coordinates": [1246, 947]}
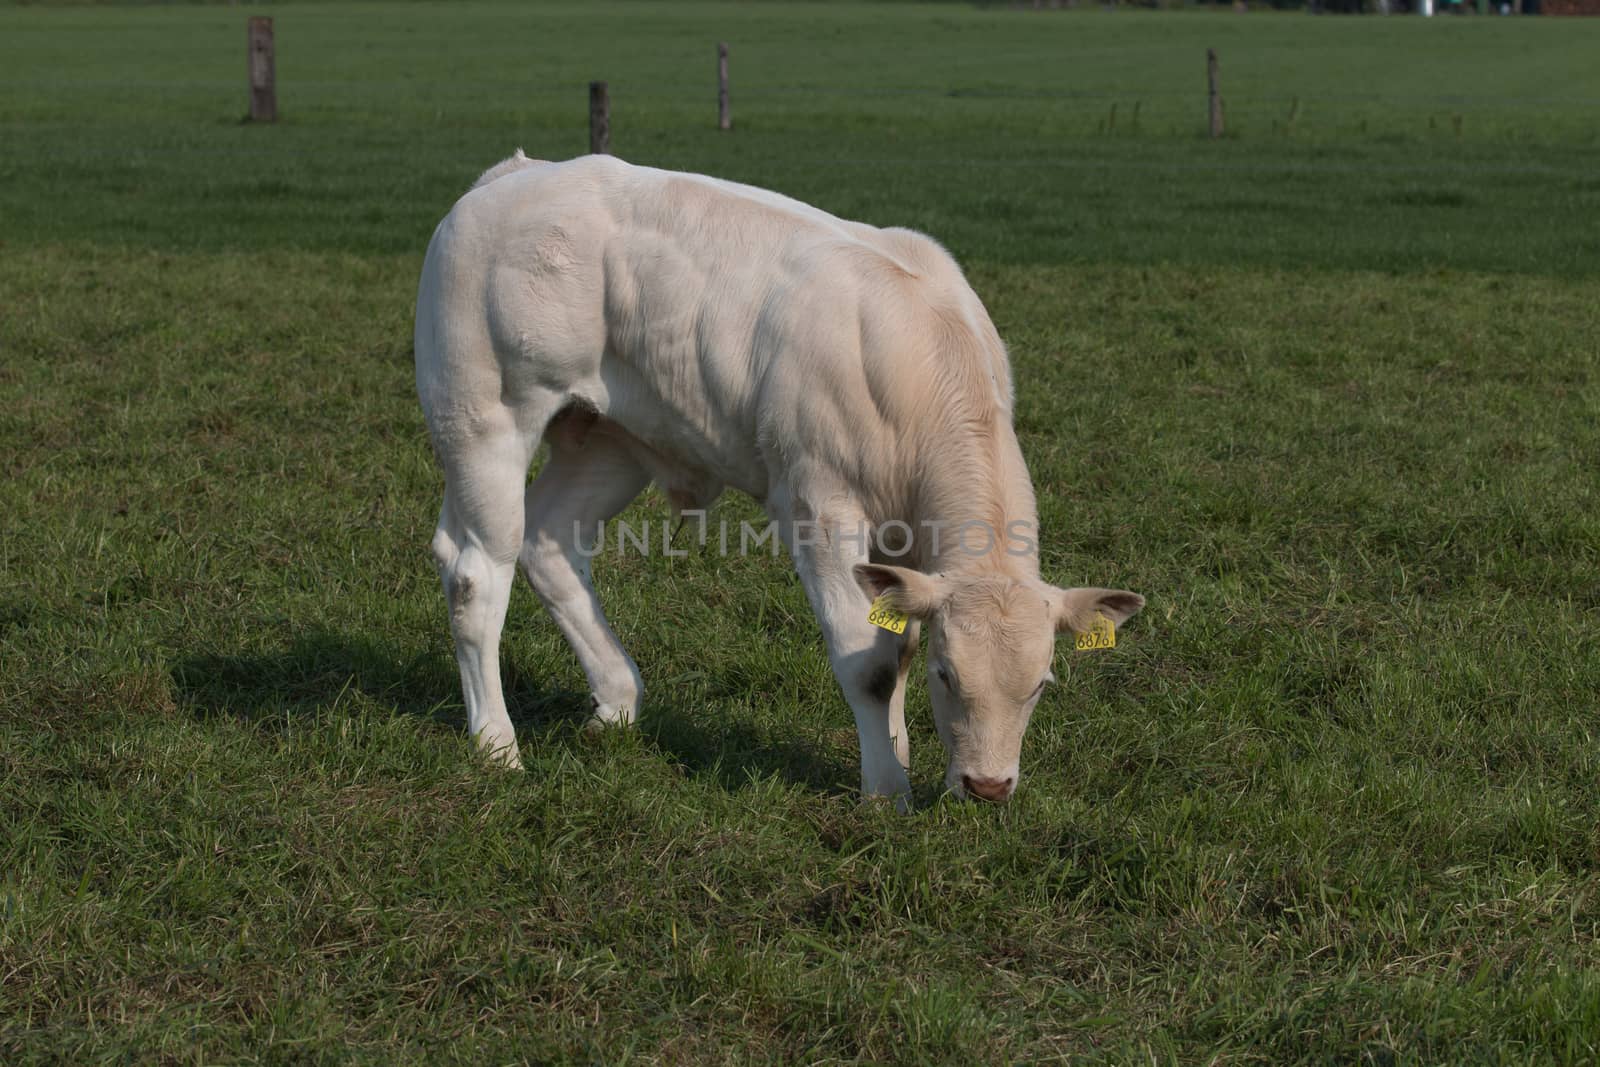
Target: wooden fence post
{"type": "Point", "coordinates": [599, 119]}
{"type": "Point", "coordinates": [1213, 96]}
{"type": "Point", "coordinates": [724, 118]}
{"type": "Point", "coordinates": [263, 71]}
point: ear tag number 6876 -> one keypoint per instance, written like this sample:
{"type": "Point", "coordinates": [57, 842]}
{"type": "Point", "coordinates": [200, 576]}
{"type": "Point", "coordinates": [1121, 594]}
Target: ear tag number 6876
{"type": "Point", "coordinates": [886, 617]}
{"type": "Point", "coordinates": [1102, 633]}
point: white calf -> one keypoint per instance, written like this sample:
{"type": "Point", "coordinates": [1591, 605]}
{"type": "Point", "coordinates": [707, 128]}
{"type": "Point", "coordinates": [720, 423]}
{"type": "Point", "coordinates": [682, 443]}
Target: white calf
{"type": "Point", "coordinates": [653, 326]}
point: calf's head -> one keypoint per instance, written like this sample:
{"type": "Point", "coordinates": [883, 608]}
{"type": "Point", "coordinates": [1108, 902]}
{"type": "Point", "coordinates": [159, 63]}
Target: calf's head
{"type": "Point", "coordinates": [990, 642]}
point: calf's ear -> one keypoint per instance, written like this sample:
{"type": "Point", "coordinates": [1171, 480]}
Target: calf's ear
{"type": "Point", "coordinates": [905, 590]}
{"type": "Point", "coordinates": [1075, 609]}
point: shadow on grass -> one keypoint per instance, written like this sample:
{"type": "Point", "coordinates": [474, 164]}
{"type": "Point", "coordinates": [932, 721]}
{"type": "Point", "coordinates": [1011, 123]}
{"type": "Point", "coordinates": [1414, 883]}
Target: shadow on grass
{"type": "Point", "coordinates": [735, 753]}
{"type": "Point", "coordinates": [322, 669]}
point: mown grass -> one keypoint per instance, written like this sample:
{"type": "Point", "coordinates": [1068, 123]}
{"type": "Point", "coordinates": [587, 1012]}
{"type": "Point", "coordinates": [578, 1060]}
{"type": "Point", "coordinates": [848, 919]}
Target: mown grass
{"type": "Point", "coordinates": [1353, 143]}
{"type": "Point", "coordinates": [1331, 799]}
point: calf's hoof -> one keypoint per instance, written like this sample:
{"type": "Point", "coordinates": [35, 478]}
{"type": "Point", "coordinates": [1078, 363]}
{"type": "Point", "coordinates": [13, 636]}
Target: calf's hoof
{"type": "Point", "coordinates": [501, 755]}
{"type": "Point", "coordinates": [901, 801]}
{"type": "Point", "coordinates": [607, 716]}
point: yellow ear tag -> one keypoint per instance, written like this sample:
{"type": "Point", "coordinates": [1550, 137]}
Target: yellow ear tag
{"type": "Point", "coordinates": [1102, 634]}
{"type": "Point", "coordinates": [885, 616]}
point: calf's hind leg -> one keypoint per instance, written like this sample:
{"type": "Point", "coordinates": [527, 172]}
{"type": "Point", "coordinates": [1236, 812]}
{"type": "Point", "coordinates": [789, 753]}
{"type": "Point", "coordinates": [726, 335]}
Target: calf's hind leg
{"type": "Point", "coordinates": [475, 547]}
{"type": "Point", "coordinates": [589, 477]}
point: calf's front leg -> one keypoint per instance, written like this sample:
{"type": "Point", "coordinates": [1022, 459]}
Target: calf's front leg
{"type": "Point", "coordinates": [897, 702]}
{"type": "Point", "coordinates": [867, 660]}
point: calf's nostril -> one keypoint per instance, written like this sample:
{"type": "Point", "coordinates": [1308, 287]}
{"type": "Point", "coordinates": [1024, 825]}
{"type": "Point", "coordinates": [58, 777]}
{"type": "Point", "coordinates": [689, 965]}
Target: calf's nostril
{"type": "Point", "coordinates": [991, 789]}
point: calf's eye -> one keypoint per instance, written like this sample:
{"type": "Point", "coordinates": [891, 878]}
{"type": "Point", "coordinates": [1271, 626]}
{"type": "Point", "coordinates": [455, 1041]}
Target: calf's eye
{"type": "Point", "coordinates": [944, 676]}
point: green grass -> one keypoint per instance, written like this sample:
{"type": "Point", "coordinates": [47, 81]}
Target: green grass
{"type": "Point", "coordinates": [1326, 395]}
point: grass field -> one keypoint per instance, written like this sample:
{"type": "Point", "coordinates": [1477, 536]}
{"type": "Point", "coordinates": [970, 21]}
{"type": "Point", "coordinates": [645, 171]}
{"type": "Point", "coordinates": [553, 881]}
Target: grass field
{"type": "Point", "coordinates": [1325, 391]}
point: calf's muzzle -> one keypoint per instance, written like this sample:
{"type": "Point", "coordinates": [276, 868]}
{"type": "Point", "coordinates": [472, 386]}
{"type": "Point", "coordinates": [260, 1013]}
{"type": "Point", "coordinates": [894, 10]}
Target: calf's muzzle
{"type": "Point", "coordinates": [995, 790]}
